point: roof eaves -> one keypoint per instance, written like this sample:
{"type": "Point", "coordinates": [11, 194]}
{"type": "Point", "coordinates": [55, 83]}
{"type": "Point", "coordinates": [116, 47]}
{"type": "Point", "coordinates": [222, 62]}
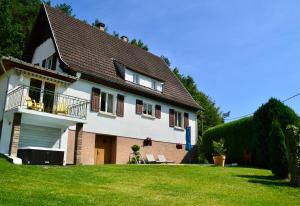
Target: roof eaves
{"type": "Point", "coordinates": [53, 35]}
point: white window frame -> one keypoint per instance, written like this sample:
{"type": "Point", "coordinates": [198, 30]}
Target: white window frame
{"type": "Point", "coordinates": [154, 84]}
{"type": "Point", "coordinates": [176, 115]}
{"type": "Point", "coordinates": [147, 109]}
{"type": "Point", "coordinates": [136, 78]}
{"type": "Point", "coordinates": [106, 103]}
{"type": "Point", "coordinates": [49, 62]}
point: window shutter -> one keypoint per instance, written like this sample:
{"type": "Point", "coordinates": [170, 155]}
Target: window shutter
{"type": "Point", "coordinates": [139, 106]}
{"type": "Point", "coordinates": [54, 59]}
{"type": "Point", "coordinates": [157, 111]}
{"type": "Point", "coordinates": [95, 100]}
{"type": "Point", "coordinates": [44, 63]}
{"type": "Point", "coordinates": [171, 118]}
{"type": "Point", "coordinates": [120, 105]}
{"type": "Point", "coordinates": [186, 120]}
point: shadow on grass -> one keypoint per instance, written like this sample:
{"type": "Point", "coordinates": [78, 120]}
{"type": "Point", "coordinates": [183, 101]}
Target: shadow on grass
{"type": "Point", "coordinates": [268, 180]}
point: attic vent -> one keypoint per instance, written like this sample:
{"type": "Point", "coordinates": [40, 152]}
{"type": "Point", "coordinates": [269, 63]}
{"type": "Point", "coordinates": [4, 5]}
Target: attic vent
{"type": "Point", "coordinates": [100, 26]}
{"type": "Point", "coordinates": [124, 38]}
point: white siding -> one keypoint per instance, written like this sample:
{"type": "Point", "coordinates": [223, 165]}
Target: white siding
{"type": "Point", "coordinates": [3, 88]}
{"type": "Point", "coordinates": [144, 80]}
{"type": "Point", "coordinates": [45, 50]}
{"type": "Point", "coordinates": [131, 125]}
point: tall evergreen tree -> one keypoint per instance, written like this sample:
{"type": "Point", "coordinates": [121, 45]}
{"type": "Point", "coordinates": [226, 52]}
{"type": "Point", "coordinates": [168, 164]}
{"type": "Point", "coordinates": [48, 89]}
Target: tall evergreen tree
{"type": "Point", "coordinates": [279, 153]}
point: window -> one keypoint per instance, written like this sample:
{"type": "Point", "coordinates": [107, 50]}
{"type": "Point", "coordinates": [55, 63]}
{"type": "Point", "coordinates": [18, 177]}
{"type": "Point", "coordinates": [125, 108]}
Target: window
{"type": "Point", "coordinates": [178, 119]}
{"type": "Point", "coordinates": [107, 102]}
{"type": "Point", "coordinates": [148, 109]}
{"type": "Point", "coordinates": [153, 84]}
{"type": "Point", "coordinates": [48, 63]}
{"type": "Point", "coordinates": [136, 78]}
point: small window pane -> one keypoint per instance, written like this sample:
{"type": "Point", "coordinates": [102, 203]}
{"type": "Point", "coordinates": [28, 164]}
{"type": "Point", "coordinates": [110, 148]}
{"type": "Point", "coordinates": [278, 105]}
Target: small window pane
{"type": "Point", "coordinates": [145, 108]}
{"type": "Point", "coordinates": [149, 109]}
{"type": "Point", "coordinates": [110, 103]}
{"type": "Point", "coordinates": [103, 101]}
{"type": "Point", "coordinates": [179, 119]}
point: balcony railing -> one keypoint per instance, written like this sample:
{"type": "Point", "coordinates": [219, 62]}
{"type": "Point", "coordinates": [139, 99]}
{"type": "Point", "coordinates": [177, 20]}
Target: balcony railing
{"type": "Point", "coordinates": [46, 101]}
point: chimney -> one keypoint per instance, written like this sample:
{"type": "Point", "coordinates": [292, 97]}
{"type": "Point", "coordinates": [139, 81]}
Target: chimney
{"type": "Point", "coordinates": [100, 26]}
{"type": "Point", "coordinates": [124, 38]}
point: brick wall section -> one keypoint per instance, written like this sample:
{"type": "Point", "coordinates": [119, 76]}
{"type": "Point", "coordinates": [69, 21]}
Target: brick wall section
{"type": "Point", "coordinates": [123, 149]}
{"type": "Point", "coordinates": [88, 147]}
{"type": "Point", "coordinates": [169, 150]}
{"type": "Point", "coordinates": [78, 143]}
{"type": "Point", "coordinates": [71, 146]}
{"type": "Point", "coordinates": [15, 135]}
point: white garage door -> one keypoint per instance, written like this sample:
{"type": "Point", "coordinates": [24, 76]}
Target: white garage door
{"type": "Point", "coordinates": [38, 136]}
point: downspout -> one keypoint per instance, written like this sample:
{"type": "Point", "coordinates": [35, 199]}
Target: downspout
{"type": "Point", "coordinates": [5, 96]}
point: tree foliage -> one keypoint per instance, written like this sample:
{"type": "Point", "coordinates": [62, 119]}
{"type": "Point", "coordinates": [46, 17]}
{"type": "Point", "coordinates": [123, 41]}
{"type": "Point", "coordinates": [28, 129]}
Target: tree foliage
{"type": "Point", "coordinates": [293, 145]}
{"type": "Point", "coordinates": [212, 114]}
{"type": "Point", "coordinates": [16, 20]}
{"type": "Point", "coordinates": [263, 118]}
{"type": "Point", "coordinates": [278, 151]}
{"type": "Point", "coordinates": [139, 43]}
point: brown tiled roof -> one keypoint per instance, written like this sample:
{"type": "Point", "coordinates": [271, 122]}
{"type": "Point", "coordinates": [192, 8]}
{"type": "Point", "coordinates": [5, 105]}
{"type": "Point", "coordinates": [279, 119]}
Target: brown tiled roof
{"type": "Point", "coordinates": [86, 49]}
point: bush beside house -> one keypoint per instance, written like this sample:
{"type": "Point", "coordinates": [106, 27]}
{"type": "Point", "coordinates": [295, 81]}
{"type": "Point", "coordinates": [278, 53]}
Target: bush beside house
{"type": "Point", "coordinates": [238, 136]}
{"type": "Point", "coordinates": [263, 136]}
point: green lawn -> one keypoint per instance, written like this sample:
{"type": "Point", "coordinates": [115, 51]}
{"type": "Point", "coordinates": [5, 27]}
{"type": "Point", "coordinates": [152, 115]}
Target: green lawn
{"type": "Point", "coordinates": [141, 185]}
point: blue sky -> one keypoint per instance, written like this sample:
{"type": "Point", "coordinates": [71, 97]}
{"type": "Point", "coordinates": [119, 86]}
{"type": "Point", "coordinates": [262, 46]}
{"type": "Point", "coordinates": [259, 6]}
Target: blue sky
{"type": "Point", "coordinates": [240, 53]}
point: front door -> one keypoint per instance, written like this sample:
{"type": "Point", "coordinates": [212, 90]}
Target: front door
{"type": "Point", "coordinates": [103, 149]}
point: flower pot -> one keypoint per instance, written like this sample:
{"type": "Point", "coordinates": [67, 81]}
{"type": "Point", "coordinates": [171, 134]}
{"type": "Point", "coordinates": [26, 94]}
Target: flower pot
{"type": "Point", "coordinates": [219, 160]}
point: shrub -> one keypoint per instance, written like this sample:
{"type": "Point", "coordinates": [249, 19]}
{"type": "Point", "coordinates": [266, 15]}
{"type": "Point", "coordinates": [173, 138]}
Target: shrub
{"type": "Point", "coordinates": [263, 118]}
{"type": "Point", "coordinates": [293, 140]}
{"type": "Point", "coordinates": [278, 151]}
{"type": "Point", "coordinates": [135, 148]}
{"type": "Point", "coordinates": [218, 148]}
{"type": "Point", "coordinates": [237, 135]}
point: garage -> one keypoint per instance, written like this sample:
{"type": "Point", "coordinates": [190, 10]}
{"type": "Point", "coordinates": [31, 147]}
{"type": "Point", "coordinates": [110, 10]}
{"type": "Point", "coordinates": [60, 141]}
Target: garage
{"type": "Point", "coordinates": [40, 145]}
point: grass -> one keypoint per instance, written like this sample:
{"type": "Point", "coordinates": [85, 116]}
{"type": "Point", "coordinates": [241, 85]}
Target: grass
{"type": "Point", "coordinates": [141, 185]}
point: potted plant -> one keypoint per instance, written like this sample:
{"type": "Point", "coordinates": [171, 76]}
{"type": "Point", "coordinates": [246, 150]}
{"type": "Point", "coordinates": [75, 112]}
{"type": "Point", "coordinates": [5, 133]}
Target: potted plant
{"type": "Point", "coordinates": [219, 153]}
{"type": "Point", "coordinates": [135, 156]}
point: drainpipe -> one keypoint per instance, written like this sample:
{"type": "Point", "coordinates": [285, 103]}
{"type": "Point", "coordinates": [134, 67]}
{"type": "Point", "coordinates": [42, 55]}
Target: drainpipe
{"type": "Point", "coordinates": [5, 96]}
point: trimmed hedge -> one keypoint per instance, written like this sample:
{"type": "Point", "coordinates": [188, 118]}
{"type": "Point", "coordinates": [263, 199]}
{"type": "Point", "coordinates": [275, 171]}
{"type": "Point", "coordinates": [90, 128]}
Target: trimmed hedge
{"type": "Point", "coordinates": [251, 133]}
{"type": "Point", "coordinates": [238, 136]}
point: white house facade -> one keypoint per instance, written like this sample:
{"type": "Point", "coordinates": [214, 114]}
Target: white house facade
{"type": "Point", "coordinates": [63, 104]}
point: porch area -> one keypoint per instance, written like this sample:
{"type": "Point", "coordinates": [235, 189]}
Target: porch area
{"type": "Point", "coordinates": [36, 122]}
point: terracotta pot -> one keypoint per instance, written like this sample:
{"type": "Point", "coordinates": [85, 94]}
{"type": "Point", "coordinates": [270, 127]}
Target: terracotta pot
{"type": "Point", "coordinates": [219, 160]}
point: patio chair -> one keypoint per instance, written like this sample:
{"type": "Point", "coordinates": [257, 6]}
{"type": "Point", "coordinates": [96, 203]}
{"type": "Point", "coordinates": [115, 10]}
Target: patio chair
{"type": "Point", "coordinates": [31, 104]}
{"type": "Point", "coordinates": [61, 109]}
{"type": "Point", "coordinates": [162, 159]}
{"type": "Point", "coordinates": [150, 159]}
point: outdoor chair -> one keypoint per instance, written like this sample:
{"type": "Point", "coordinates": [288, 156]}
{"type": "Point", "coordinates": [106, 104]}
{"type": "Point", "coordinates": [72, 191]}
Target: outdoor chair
{"type": "Point", "coordinates": [162, 159]}
{"type": "Point", "coordinates": [150, 159]}
{"type": "Point", "coordinates": [31, 104]}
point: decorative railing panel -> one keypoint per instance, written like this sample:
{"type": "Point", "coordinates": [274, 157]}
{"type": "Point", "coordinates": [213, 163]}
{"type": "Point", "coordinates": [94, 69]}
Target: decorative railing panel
{"type": "Point", "coordinates": [46, 101]}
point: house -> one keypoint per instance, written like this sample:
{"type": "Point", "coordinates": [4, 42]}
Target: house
{"type": "Point", "coordinates": [86, 97]}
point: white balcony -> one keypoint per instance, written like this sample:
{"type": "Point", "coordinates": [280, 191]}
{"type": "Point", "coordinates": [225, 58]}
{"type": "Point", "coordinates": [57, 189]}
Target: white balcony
{"type": "Point", "coordinates": [45, 107]}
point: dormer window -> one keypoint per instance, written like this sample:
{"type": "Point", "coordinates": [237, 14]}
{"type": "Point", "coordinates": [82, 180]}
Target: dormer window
{"type": "Point", "coordinates": [136, 78]}
{"type": "Point", "coordinates": [153, 84]}
{"type": "Point", "coordinates": [50, 62]}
